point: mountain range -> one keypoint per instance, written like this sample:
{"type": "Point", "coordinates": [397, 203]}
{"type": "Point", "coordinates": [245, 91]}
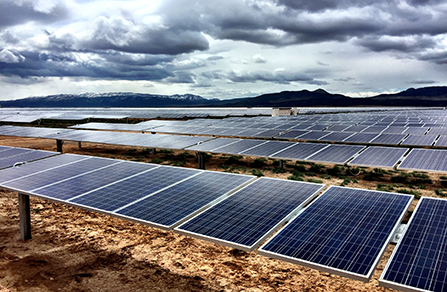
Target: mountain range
{"type": "Point", "coordinates": [427, 96]}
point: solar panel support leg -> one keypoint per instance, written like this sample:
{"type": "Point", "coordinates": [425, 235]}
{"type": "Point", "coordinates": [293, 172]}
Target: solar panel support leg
{"type": "Point", "coordinates": [25, 217]}
{"type": "Point", "coordinates": [59, 145]}
{"type": "Point", "coordinates": [79, 144]}
{"type": "Point", "coordinates": [201, 159]}
{"type": "Point", "coordinates": [154, 151]}
{"type": "Point", "coordinates": [281, 163]}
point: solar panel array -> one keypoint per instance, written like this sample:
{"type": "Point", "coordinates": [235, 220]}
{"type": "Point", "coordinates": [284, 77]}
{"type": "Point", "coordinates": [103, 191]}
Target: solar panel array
{"type": "Point", "coordinates": [345, 231]}
{"type": "Point", "coordinates": [419, 261]}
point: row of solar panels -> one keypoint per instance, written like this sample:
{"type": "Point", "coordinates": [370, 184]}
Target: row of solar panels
{"type": "Point", "coordinates": [24, 115]}
{"type": "Point", "coordinates": [372, 156]}
{"type": "Point", "coordinates": [343, 231]}
{"type": "Point", "coordinates": [353, 134]}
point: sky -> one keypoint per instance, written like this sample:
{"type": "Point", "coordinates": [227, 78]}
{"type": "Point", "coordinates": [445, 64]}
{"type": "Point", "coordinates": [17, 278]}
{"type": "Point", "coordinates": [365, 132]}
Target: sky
{"type": "Point", "coordinates": [221, 49]}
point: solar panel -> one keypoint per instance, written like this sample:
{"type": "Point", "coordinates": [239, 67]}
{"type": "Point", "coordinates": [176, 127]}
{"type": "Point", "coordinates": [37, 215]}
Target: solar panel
{"type": "Point", "coordinates": [425, 159]}
{"type": "Point", "coordinates": [313, 135]}
{"type": "Point", "coordinates": [174, 205]}
{"type": "Point", "coordinates": [344, 231]}
{"type": "Point", "coordinates": [267, 134]}
{"type": "Point", "coordinates": [291, 134]}
{"type": "Point", "coordinates": [239, 146]}
{"type": "Point", "coordinates": [34, 167]}
{"type": "Point", "coordinates": [419, 140]}
{"type": "Point", "coordinates": [419, 261]}
{"type": "Point", "coordinates": [336, 136]}
{"type": "Point", "coordinates": [249, 132]}
{"type": "Point", "coordinates": [25, 157]}
{"type": "Point", "coordinates": [268, 148]}
{"type": "Point", "coordinates": [249, 216]}
{"type": "Point", "coordinates": [441, 142]}
{"type": "Point", "coordinates": [13, 152]}
{"type": "Point", "coordinates": [3, 148]}
{"type": "Point", "coordinates": [360, 138]}
{"type": "Point", "coordinates": [86, 182]}
{"type": "Point", "coordinates": [131, 189]}
{"type": "Point", "coordinates": [376, 156]}
{"type": "Point", "coordinates": [300, 151]}
{"type": "Point", "coordinates": [388, 139]}
{"type": "Point", "coordinates": [213, 144]}
{"type": "Point", "coordinates": [53, 175]}
{"type": "Point", "coordinates": [336, 153]}
{"type": "Point", "coordinates": [189, 141]}
{"type": "Point", "coordinates": [418, 131]}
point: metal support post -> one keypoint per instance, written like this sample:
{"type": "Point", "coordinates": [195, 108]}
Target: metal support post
{"type": "Point", "coordinates": [25, 217]}
{"type": "Point", "coordinates": [201, 159]}
{"type": "Point", "coordinates": [154, 151]}
{"type": "Point", "coordinates": [79, 145]}
{"type": "Point", "coordinates": [281, 163]}
{"type": "Point", "coordinates": [59, 145]}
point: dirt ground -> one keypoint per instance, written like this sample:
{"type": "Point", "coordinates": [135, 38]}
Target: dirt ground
{"type": "Point", "coordinates": [77, 250]}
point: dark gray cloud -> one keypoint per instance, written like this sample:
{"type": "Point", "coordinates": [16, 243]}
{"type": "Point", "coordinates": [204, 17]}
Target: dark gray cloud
{"type": "Point", "coordinates": [439, 58]}
{"type": "Point", "coordinates": [280, 77]}
{"type": "Point", "coordinates": [423, 82]}
{"type": "Point", "coordinates": [17, 12]}
{"type": "Point", "coordinates": [56, 65]}
{"type": "Point", "coordinates": [181, 77]}
{"type": "Point", "coordinates": [406, 45]}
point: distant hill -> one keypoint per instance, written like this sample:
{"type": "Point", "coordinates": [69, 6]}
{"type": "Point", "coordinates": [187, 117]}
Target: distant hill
{"type": "Point", "coordinates": [427, 96]}
{"type": "Point", "coordinates": [115, 99]}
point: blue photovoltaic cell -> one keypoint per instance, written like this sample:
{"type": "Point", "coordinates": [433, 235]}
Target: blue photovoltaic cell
{"type": "Point", "coordinates": [81, 184]}
{"type": "Point", "coordinates": [376, 156]}
{"type": "Point", "coordinates": [441, 142]}
{"type": "Point", "coordinates": [213, 144]}
{"type": "Point", "coordinates": [291, 134]}
{"type": "Point", "coordinates": [129, 190]}
{"type": "Point", "coordinates": [57, 174]}
{"type": "Point", "coordinates": [12, 152]}
{"type": "Point", "coordinates": [3, 148]}
{"type": "Point", "coordinates": [419, 261]}
{"type": "Point", "coordinates": [249, 132]}
{"type": "Point", "coordinates": [344, 231]}
{"type": "Point", "coordinates": [249, 216]}
{"type": "Point", "coordinates": [336, 153]}
{"type": "Point", "coordinates": [175, 204]}
{"type": "Point", "coordinates": [361, 138]}
{"type": "Point", "coordinates": [267, 149]}
{"type": "Point", "coordinates": [300, 151]}
{"type": "Point", "coordinates": [419, 140]}
{"type": "Point", "coordinates": [388, 139]}
{"type": "Point", "coordinates": [267, 133]}
{"type": "Point", "coordinates": [188, 142]}
{"type": "Point", "coordinates": [425, 159]}
{"type": "Point", "coordinates": [336, 136]}
{"type": "Point", "coordinates": [239, 146]}
{"type": "Point", "coordinates": [313, 135]}
{"type": "Point", "coordinates": [37, 166]}
{"type": "Point", "coordinates": [25, 157]}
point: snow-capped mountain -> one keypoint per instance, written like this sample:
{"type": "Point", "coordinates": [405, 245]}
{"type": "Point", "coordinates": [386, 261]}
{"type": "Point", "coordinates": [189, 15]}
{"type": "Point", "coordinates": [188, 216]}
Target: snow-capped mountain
{"type": "Point", "coordinates": [111, 99]}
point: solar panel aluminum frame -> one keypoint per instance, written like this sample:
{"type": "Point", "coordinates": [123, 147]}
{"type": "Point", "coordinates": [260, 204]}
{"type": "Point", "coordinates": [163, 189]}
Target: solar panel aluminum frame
{"type": "Point", "coordinates": [186, 218]}
{"type": "Point", "coordinates": [286, 219]}
{"type": "Point", "coordinates": [331, 270]}
{"type": "Point", "coordinates": [394, 285]}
